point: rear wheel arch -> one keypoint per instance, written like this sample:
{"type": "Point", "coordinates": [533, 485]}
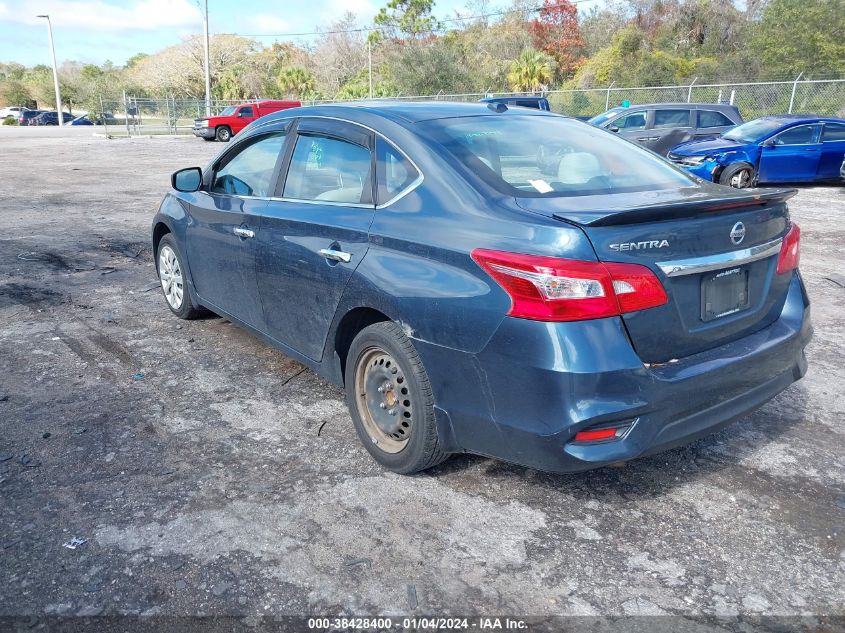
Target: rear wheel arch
{"type": "Point", "coordinates": [348, 328]}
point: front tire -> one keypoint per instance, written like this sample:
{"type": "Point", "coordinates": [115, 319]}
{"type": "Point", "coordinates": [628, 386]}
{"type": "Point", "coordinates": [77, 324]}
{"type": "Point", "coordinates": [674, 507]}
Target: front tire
{"type": "Point", "coordinates": [390, 400]}
{"type": "Point", "coordinates": [171, 274]}
{"type": "Point", "coordinates": [738, 176]}
{"type": "Point", "coordinates": [223, 134]}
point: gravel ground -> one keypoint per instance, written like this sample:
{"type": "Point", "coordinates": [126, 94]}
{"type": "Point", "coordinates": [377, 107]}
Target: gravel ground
{"type": "Point", "coordinates": [211, 475]}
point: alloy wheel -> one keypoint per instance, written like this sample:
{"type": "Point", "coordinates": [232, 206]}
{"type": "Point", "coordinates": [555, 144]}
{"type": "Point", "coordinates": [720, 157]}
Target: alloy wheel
{"type": "Point", "coordinates": [170, 275]}
{"type": "Point", "coordinates": [741, 179]}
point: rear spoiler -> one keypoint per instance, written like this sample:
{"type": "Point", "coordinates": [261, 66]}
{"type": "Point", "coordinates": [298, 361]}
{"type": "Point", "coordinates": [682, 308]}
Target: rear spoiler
{"type": "Point", "coordinates": [677, 209]}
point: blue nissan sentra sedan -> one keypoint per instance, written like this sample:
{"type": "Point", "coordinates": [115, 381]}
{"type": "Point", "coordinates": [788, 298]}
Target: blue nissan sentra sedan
{"type": "Point", "coordinates": [769, 150]}
{"type": "Point", "coordinates": [468, 301]}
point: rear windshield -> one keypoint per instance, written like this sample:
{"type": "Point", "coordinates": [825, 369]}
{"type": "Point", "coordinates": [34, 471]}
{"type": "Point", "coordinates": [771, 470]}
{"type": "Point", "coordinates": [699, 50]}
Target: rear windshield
{"type": "Point", "coordinates": [536, 156]}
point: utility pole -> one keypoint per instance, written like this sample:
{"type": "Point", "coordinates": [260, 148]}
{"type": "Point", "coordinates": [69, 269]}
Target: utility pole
{"type": "Point", "coordinates": [61, 119]}
{"type": "Point", "coordinates": [207, 63]}
{"type": "Point", "coordinates": [370, 64]}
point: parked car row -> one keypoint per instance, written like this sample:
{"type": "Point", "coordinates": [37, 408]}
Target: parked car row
{"type": "Point", "coordinates": [28, 116]}
{"type": "Point", "coordinates": [471, 299]}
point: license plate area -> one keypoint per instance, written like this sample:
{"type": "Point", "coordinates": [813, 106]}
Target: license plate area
{"type": "Point", "coordinates": [724, 293]}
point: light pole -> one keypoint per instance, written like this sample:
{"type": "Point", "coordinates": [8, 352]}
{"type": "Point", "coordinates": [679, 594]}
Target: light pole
{"type": "Point", "coordinates": [61, 119]}
{"type": "Point", "coordinates": [207, 63]}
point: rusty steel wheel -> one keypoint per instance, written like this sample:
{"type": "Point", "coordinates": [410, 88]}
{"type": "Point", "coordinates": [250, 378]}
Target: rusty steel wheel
{"type": "Point", "coordinates": [383, 400]}
{"type": "Point", "coordinates": [390, 399]}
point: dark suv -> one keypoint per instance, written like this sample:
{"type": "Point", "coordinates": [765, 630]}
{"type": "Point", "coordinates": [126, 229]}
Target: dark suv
{"type": "Point", "coordinates": [51, 118]}
{"type": "Point", "coordinates": [661, 126]}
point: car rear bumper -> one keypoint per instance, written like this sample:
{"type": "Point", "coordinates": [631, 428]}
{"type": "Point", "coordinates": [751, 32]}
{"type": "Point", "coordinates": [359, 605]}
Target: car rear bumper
{"type": "Point", "coordinates": [534, 385]}
{"type": "Point", "coordinates": [204, 132]}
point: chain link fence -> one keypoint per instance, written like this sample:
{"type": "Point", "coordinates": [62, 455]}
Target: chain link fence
{"type": "Point", "coordinates": [136, 115]}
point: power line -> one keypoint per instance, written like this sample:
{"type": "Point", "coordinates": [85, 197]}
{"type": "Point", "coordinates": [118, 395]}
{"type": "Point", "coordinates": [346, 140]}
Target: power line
{"type": "Point", "coordinates": [445, 20]}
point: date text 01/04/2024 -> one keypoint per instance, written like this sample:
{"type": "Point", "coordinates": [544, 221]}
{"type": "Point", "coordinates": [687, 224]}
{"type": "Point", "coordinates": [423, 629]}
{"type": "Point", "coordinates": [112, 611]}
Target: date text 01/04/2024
{"type": "Point", "coordinates": [418, 623]}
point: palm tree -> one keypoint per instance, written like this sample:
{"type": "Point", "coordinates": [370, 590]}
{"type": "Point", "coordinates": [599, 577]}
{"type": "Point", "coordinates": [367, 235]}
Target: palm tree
{"type": "Point", "coordinates": [531, 71]}
{"type": "Point", "coordinates": [297, 81]}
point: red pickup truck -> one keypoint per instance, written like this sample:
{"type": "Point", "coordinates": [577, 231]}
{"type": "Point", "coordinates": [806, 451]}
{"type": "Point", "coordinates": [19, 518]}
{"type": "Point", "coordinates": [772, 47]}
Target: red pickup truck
{"type": "Point", "coordinates": [235, 118]}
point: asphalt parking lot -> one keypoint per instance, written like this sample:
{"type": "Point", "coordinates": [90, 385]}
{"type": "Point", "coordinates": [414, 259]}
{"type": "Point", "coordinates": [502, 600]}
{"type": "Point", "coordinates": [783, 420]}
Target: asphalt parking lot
{"type": "Point", "coordinates": [208, 474]}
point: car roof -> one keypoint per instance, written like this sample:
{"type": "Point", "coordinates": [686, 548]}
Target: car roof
{"type": "Point", "coordinates": [506, 99]}
{"type": "Point", "coordinates": [404, 111]}
{"type": "Point", "coordinates": [675, 104]}
{"type": "Point", "coordinates": [800, 118]}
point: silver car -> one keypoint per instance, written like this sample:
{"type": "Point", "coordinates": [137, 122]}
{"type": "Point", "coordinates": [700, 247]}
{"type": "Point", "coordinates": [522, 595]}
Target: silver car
{"type": "Point", "coordinates": [662, 126]}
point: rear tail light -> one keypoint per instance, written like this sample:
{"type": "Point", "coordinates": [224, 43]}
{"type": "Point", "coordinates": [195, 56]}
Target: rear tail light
{"type": "Point", "coordinates": [790, 250]}
{"type": "Point", "coordinates": [553, 289]}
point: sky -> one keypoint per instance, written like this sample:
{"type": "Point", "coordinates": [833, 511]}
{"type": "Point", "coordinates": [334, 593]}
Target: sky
{"type": "Point", "coordinates": [93, 31]}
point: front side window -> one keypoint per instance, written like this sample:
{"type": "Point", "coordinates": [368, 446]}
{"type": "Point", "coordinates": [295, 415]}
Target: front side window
{"type": "Point", "coordinates": [329, 169]}
{"type": "Point", "coordinates": [395, 172]}
{"type": "Point", "coordinates": [833, 132]}
{"type": "Point", "coordinates": [711, 118]}
{"type": "Point", "coordinates": [633, 121]}
{"type": "Point", "coordinates": [671, 118]}
{"type": "Point", "coordinates": [577, 159]}
{"type": "Point", "coordinates": [800, 135]}
{"type": "Point", "coordinates": [246, 112]}
{"type": "Point", "coordinates": [250, 171]}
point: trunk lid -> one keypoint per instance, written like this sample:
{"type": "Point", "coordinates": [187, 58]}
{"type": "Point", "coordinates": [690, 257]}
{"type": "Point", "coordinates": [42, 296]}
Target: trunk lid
{"type": "Point", "coordinates": [715, 252]}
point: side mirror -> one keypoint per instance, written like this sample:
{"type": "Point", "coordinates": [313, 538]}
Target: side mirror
{"type": "Point", "coordinates": [770, 144]}
{"type": "Point", "coordinates": [187, 180]}
{"type": "Point", "coordinates": [613, 129]}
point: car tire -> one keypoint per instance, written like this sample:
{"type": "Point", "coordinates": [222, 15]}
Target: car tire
{"type": "Point", "coordinates": [173, 279]}
{"type": "Point", "coordinates": [223, 134]}
{"type": "Point", "coordinates": [390, 399]}
{"type": "Point", "coordinates": [738, 176]}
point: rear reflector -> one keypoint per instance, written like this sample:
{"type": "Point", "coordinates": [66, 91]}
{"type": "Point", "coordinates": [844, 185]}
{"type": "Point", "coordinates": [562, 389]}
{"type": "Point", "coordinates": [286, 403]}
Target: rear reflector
{"type": "Point", "coordinates": [790, 250]}
{"type": "Point", "coordinates": [595, 435]}
{"type": "Point", "coordinates": [554, 289]}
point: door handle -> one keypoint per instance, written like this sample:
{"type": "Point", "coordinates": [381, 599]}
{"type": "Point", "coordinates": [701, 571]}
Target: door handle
{"type": "Point", "coordinates": [338, 256]}
{"type": "Point", "coordinates": [242, 232]}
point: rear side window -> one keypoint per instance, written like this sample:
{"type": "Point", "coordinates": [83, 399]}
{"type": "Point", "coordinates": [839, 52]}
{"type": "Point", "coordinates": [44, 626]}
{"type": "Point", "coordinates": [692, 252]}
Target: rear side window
{"type": "Point", "coordinates": [633, 121]}
{"type": "Point", "coordinates": [327, 169]}
{"type": "Point", "coordinates": [671, 118]}
{"type": "Point", "coordinates": [800, 135]}
{"type": "Point", "coordinates": [711, 118]}
{"type": "Point", "coordinates": [833, 132]}
{"type": "Point", "coordinates": [395, 172]}
{"type": "Point", "coordinates": [249, 172]}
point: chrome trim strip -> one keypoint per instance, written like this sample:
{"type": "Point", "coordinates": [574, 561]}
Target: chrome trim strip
{"type": "Point", "coordinates": [328, 203]}
{"type": "Point", "coordinates": [707, 263]}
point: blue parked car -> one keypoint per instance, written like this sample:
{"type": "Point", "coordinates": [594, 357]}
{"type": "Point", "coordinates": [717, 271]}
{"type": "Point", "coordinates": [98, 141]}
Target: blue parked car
{"type": "Point", "coordinates": [417, 255]}
{"type": "Point", "coordinates": [772, 149]}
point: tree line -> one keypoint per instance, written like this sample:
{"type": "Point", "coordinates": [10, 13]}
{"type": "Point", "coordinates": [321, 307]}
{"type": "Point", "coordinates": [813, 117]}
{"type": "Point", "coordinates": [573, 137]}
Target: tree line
{"type": "Point", "coordinates": [530, 46]}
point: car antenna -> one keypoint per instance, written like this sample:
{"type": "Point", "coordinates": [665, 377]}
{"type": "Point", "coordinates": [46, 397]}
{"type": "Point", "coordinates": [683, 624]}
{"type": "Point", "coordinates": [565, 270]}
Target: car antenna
{"type": "Point", "coordinates": [498, 107]}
